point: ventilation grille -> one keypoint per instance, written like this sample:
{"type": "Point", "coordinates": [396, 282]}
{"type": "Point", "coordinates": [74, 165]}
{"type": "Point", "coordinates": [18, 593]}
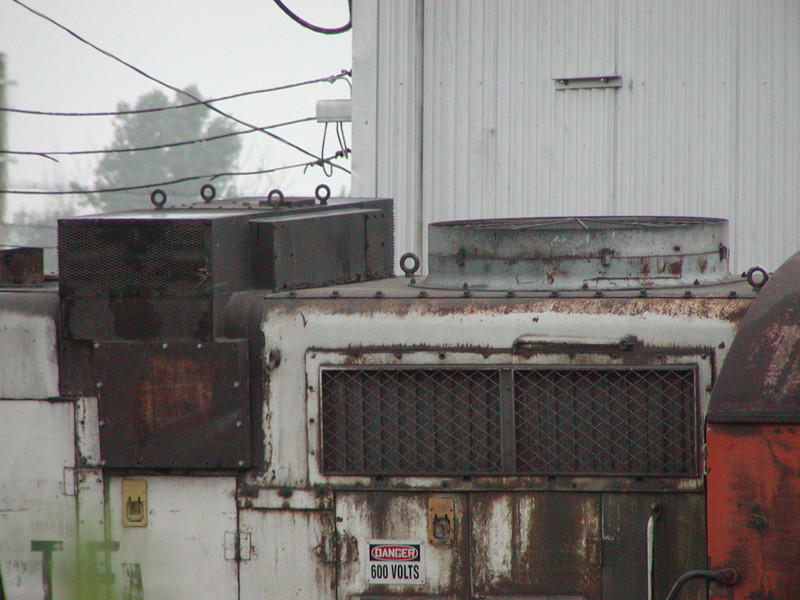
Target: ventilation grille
{"type": "Point", "coordinates": [135, 257]}
{"type": "Point", "coordinates": [411, 421]}
{"type": "Point", "coordinates": [605, 422]}
{"type": "Point", "coordinates": [638, 422]}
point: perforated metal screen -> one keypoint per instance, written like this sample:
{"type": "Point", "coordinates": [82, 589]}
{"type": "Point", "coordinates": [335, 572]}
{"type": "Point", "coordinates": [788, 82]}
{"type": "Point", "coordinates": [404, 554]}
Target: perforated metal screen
{"type": "Point", "coordinates": [130, 255]}
{"type": "Point", "coordinates": [565, 421]}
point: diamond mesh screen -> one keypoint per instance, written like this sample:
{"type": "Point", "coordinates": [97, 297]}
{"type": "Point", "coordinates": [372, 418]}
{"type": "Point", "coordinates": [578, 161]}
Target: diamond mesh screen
{"type": "Point", "coordinates": [130, 256]}
{"type": "Point", "coordinates": [545, 421]}
{"type": "Point", "coordinates": [413, 421]}
{"type": "Point", "coordinates": [594, 422]}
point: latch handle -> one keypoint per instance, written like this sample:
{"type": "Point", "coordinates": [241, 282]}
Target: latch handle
{"type": "Point", "coordinates": [655, 515]}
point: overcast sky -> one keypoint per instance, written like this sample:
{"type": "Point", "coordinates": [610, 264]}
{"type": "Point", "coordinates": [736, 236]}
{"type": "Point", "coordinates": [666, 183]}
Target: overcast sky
{"type": "Point", "coordinates": [223, 47]}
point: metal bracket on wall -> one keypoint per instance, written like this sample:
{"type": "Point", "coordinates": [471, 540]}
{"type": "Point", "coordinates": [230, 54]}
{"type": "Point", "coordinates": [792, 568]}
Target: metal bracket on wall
{"type": "Point", "coordinates": [580, 83]}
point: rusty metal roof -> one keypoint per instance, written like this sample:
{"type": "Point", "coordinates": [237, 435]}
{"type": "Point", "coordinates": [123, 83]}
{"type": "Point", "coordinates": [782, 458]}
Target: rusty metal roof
{"type": "Point", "coordinates": [760, 380]}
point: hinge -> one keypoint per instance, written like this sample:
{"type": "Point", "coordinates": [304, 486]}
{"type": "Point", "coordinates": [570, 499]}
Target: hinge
{"type": "Point", "coordinates": [70, 486]}
{"type": "Point", "coordinates": [238, 545]}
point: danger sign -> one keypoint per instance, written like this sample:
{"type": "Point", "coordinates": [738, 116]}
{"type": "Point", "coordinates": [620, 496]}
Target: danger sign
{"type": "Point", "coordinates": [394, 561]}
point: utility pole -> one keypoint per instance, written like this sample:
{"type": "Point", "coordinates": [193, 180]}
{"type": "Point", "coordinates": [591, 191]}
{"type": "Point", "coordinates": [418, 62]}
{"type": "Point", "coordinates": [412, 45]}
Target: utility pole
{"type": "Point", "coordinates": [3, 137]}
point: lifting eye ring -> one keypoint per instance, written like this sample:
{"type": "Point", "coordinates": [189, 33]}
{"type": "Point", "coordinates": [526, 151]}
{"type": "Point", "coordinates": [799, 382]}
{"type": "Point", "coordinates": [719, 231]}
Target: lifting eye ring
{"type": "Point", "coordinates": [757, 282]}
{"type": "Point", "coordinates": [208, 192]}
{"type": "Point", "coordinates": [322, 193]}
{"type": "Point", "coordinates": [409, 270]}
{"type": "Point", "coordinates": [276, 193]}
{"type": "Point", "coordinates": [158, 198]}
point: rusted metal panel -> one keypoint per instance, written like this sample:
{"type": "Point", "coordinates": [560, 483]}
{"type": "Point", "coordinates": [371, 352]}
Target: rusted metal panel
{"type": "Point", "coordinates": [149, 275]}
{"type": "Point", "coordinates": [139, 318]}
{"type": "Point", "coordinates": [760, 381]}
{"type": "Point", "coordinates": [21, 266]}
{"type": "Point", "coordinates": [309, 250]}
{"type": "Point", "coordinates": [679, 543]}
{"type": "Point", "coordinates": [753, 507]}
{"type": "Point", "coordinates": [400, 515]}
{"type": "Point", "coordinates": [173, 405]}
{"type": "Point", "coordinates": [541, 544]}
{"type": "Point", "coordinates": [577, 252]}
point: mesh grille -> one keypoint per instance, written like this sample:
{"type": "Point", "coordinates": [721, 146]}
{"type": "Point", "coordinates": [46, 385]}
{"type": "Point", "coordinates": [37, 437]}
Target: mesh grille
{"type": "Point", "coordinates": [501, 421]}
{"type": "Point", "coordinates": [637, 422]}
{"type": "Point", "coordinates": [129, 256]}
{"type": "Point", "coordinates": [411, 421]}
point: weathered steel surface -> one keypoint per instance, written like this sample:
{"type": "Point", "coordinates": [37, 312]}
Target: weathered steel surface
{"type": "Point", "coordinates": [760, 381]}
{"type": "Point", "coordinates": [290, 559]}
{"type": "Point", "coordinates": [21, 266]}
{"type": "Point", "coordinates": [28, 362]}
{"type": "Point", "coordinates": [542, 544]}
{"type": "Point", "coordinates": [402, 515]}
{"type": "Point", "coordinates": [320, 249]}
{"type": "Point", "coordinates": [173, 405]}
{"type": "Point", "coordinates": [577, 252]}
{"type": "Point", "coordinates": [753, 508]}
{"type": "Point", "coordinates": [679, 543]}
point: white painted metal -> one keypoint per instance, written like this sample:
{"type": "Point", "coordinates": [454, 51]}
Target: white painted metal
{"type": "Point", "coordinates": [287, 559]}
{"type": "Point", "coordinates": [31, 370]}
{"type": "Point", "coordinates": [181, 552]}
{"type": "Point", "coordinates": [358, 516]}
{"type": "Point", "coordinates": [291, 432]}
{"type": "Point", "coordinates": [706, 122]}
{"type": "Point", "coordinates": [37, 447]}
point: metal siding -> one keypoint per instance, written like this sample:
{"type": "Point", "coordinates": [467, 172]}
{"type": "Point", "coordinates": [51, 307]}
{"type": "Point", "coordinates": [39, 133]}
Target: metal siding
{"type": "Point", "coordinates": [706, 122]}
{"type": "Point", "coordinates": [766, 217]}
{"type": "Point", "coordinates": [498, 139]}
{"type": "Point", "coordinates": [676, 126]}
{"type": "Point", "coordinates": [387, 110]}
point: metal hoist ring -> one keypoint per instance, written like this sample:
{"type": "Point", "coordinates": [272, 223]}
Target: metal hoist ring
{"type": "Point", "coordinates": [158, 198]}
{"type": "Point", "coordinates": [322, 193]}
{"type": "Point", "coordinates": [757, 283]}
{"type": "Point", "coordinates": [208, 192]}
{"type": "Point", "coordinates": [276, 193]}
{"type": "Point", "coordinates": [409, 271]}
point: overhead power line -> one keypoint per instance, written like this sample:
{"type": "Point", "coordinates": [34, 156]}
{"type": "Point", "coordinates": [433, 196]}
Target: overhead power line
{"type": "Point", "coordinates": [210, 177]}
{"type": "Point", "coordinates": [51, 154]}
{"type": "Point", "coordinates": [52, 113]}
{"type": "Point", "coordinates": [316, 28]}
{"type": "Point", "coordinates": [175, 89]}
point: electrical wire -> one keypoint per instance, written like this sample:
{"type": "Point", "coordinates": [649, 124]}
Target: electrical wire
{"type": "Point", "coordinates": [165, 84]}
{"type": "Point", "coordinates": [209, 177]}
{"type": "Point", "coordinates": [316, 28]}
{"type": "Point", "coordinates": [49, 113]}
{"type": "Point", "coordinates": [50, 155]}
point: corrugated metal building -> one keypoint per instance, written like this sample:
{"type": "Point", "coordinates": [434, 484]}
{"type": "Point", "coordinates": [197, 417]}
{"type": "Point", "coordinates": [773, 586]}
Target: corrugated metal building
{"type": "Point", "coordinates": [471, 109]}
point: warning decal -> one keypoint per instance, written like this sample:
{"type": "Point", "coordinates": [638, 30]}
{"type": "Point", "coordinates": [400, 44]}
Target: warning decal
{"type": "Point", "coordinates": [395, 561]}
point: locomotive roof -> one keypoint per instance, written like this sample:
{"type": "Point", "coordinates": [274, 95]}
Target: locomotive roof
{"type": "Point", "coordinates": [760, 380]}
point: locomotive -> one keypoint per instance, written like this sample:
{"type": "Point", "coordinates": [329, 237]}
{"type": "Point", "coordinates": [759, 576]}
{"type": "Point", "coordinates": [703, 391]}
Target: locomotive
{"type": "Point", "coordinates": [239, 399]}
